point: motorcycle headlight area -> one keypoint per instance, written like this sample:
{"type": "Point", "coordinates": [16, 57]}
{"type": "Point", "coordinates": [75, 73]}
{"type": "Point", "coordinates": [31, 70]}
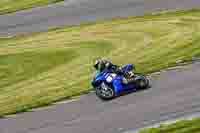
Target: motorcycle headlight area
{"type": "Point", "coordinates": [110, 77]}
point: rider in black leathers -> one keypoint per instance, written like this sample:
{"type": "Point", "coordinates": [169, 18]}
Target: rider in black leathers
{"type": "Point", "coordinates": [102, 64]}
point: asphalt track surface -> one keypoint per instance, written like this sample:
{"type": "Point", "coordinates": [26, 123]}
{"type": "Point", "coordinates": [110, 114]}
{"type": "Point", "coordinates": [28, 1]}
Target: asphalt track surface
{"type": "Point", "coordinates": [173, 94]}
{"type": "Point", "coordinates": [73, 12]}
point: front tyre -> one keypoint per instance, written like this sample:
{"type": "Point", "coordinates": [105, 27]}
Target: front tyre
{"type": "Point", "coordinates": [105, 92]}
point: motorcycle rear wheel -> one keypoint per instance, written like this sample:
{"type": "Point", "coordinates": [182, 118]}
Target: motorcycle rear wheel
{"type": "Point", "coordinates": [142, 82]}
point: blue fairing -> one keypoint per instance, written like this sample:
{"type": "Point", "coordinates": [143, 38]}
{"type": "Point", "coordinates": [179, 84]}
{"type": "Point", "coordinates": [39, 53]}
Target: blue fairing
{"type": "Point", "coordinates": [116, 82]}
{"type": "Point", "coordinates": [128, 68]}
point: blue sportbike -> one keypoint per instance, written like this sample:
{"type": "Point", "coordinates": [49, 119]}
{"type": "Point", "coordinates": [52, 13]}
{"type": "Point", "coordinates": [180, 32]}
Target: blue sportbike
{"type": "Point", "coordinates": [109, 85]}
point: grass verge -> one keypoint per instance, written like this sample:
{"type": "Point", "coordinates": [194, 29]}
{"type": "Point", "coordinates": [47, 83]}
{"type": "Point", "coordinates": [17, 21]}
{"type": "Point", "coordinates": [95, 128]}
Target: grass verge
{"type": "Point", "coordinates": [184, 126]}
{"type": "Point", "coordinates": [42, 68]}
{"type": "Point", "coordinates": [9, 6]}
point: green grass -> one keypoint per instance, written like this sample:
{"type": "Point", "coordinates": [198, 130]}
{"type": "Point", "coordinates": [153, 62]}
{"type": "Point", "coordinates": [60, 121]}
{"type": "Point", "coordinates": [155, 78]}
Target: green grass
{"type": "Point", "coordinates": [184, 126]}
{"type": "Point", "coordinates": [9, 6]}
{"type": "Point", "coordinates": [42, 68]}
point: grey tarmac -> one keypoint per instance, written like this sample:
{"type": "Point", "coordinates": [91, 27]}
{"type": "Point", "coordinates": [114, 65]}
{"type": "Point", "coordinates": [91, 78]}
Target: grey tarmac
{"type": "Point", "coordinates": [75, 12]}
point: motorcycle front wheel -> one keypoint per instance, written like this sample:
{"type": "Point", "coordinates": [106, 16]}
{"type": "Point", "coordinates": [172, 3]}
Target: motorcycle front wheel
{"type": "Point", "coordinates": [105, 92]}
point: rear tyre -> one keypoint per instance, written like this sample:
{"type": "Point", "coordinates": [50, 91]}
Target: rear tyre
{"type": "Point", "coordinates": [142, 82]}
{"type": "Point", "coordinates": [105, 92]}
